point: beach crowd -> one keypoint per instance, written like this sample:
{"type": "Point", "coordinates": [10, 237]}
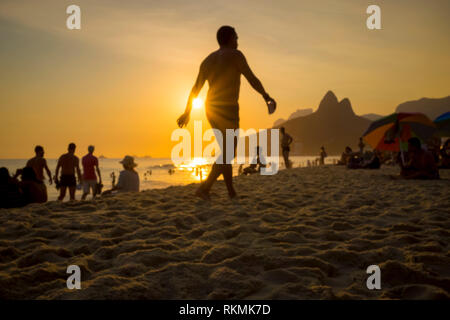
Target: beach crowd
{"type": "Point", "coordinates": [27, 184]}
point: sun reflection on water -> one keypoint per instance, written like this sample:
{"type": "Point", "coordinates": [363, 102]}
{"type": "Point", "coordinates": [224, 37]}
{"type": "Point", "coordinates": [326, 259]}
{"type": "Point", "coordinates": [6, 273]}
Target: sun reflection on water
{"type": "Point", "coordinates": [199, 168]}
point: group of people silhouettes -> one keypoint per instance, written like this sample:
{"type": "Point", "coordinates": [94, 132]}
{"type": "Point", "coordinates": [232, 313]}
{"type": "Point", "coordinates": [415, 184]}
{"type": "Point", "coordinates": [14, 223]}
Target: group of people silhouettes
{"type": "Point", "coordinates": [419, 162]}
{"type": "Point", "coordinates": [31, 188]}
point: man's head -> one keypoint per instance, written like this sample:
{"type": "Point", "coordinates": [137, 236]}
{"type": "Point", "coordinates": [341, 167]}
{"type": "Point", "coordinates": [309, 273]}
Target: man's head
{"type": "Point", "coordinates": [4, 175]}
{"type": "Point", "coordinates": [414, 144]}
{"type": "Point", "coordinates": [28, 174]}
{"type": "Point", "coordinates": [72, 147]}
{"type": "Point", "coordinates": [91, 149]}
{"type": "Point", "coordinates": [227, 37]}
{"type": "Point", "coordinates": [39, 151]}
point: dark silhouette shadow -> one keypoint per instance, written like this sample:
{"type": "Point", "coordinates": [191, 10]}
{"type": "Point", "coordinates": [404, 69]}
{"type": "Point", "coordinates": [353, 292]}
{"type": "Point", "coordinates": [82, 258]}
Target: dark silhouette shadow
{"type": "Point", "coordinates": [222, 69]}
{"type": "Point", "coordinates": [68, 163]}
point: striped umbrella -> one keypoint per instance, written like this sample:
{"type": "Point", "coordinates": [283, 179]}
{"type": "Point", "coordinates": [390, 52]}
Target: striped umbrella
{"type": "Point", "coordinates": [443, 125]}
{"type": "Point", "coordinates": [392, 132]}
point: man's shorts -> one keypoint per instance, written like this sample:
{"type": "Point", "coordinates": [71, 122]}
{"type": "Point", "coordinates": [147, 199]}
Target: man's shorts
{"type": "Point", "coordinates": [68, 180]}
{"type": "Point", "coordinates": [88, 184]}
{"type": "Point", "coordinates": [223, 117]}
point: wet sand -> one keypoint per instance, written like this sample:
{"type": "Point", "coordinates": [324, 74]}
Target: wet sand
{"type": "Point", "coordinates": [305, 233]}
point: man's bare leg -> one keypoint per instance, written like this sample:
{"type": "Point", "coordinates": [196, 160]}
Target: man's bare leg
{"type": "Point", "coordinates": [205, 187]}
{"type": "Point", "coordinates": [62, 193]}
{"type": "Point", "coordinates": [286, 159]}
{"type": "Point", "coordinates": [216, 171]}
{"type": "Point", "coordinates": [72, 193]}
{"type": "Point", "coordinates": [228, 172]}
{"type": "Point", "coordinates": [228, 177]}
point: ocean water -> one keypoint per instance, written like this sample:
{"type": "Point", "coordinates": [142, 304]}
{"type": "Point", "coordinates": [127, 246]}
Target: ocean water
{"type": "Point", "coordinates": [153, 172]}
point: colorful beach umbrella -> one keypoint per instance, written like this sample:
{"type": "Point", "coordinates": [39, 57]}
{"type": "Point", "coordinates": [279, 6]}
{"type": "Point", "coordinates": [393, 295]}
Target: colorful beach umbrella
{"type": "Point", "coordinates": [443, 125]}
{"type": "Point", "coordinates": [392, 132]}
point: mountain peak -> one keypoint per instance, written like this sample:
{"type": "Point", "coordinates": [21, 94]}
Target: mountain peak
{"type": "Point", "coordinates": [432, 107]}
{"type": "Point", "coordinates": [334, 125]}
{"type": "Point", "coordinates": [346, 106]}
{"type": "Point", "coordinates": [328, 103]}
{"type": "Point", "coordinates": [331, 107]}
{"type": "Point", "coordinates": [330, 94]}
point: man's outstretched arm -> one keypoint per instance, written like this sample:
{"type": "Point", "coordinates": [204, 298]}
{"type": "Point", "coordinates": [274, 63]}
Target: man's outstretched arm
{"type": "Point", "coordinates": [58, 165]}
{"type": "Point", "coordinates": [77, 167]}
{"type": "Point", "coordinates": [98, 173]}
{"type": "Point", "coordinates": [251, 78]}
{"type": "Point", "coordinates": [48, 172]}
{"type": "Point", "coordinates": [201, 78]}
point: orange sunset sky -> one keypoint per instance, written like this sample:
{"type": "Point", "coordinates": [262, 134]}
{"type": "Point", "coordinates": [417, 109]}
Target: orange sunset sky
{"type": "Point", "coordinates": [123, 79]}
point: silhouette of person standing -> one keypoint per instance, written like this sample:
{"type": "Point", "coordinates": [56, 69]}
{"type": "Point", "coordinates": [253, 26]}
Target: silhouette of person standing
{"type": "Point", "coordinates": [90, 167]}
{"type": "Point", "coordinates": [222, 69]}
{"type": "Point", "coordinates": [286, 141]}
{"type": "Point", "coordinates": [323, 155]}
{"type": "Point", "coordinates": [69, 165]}
{"type": "Point", "coordinates": [38, 163]}
{"type": "Point", "coordinates": [361, 145]}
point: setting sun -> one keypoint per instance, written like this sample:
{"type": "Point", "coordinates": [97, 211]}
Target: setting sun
{"type": "Point", "coordinates": [197, 103]}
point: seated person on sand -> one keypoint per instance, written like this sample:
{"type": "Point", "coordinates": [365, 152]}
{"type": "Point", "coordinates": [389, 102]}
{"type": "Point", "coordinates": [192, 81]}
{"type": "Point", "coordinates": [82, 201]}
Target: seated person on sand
{"type": "Point", "coordinates": [10, 193]}
{"type": "Point", "coordinates": [357, 162]}
{"type": "Point", "coordinates": [128, 178]}
{"type": "Point", "coordinates": [33, 190]}
{"type": "Point", "coordinates": [445, 155]}
{"type": "Point", "coordinates": [390, 158]}
{"type": "Point", "coordinates": [421, 164]}
{"type": "Point", "coordinates": [384, 156]}
{"type": "Point", "coordinates": [354, 161]}
{"type": "Point", "coordinates": [345, 157]}
{"type": "Point", "coordinates": [254, 167]}
{"type": "Point", "coordinates": [433, 145]}
{"type": "Point", "coordinates": [374, 162]}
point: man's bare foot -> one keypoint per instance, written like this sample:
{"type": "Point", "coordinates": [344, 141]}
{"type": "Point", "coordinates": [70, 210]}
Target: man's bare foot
{"type": "Point", "coordinates": [233, 195]}
{"type": "Point", "coordinates": [235, 200]}
{"type": "Point", "coordinates": [202, 194]}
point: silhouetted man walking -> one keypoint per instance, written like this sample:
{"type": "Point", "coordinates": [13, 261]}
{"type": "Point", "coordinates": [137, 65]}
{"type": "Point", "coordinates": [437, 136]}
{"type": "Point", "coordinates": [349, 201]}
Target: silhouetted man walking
{"type": "Point", "coordinates": [223, 69]}
{"type": "Point", "coordinates": [69, 165]}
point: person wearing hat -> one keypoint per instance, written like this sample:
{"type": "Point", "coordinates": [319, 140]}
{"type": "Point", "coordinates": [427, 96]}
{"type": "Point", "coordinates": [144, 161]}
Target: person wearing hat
{"type": "Point", "coordinates": [128, 178]}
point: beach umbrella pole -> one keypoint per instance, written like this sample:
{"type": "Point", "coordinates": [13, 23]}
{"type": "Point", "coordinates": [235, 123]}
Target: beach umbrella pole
{"type": "Point", "coordinates": [401, 153]}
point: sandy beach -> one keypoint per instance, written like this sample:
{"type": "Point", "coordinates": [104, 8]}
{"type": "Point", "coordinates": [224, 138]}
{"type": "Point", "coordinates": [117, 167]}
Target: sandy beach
{"type": "Point", "coordinates": [305, 233]}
